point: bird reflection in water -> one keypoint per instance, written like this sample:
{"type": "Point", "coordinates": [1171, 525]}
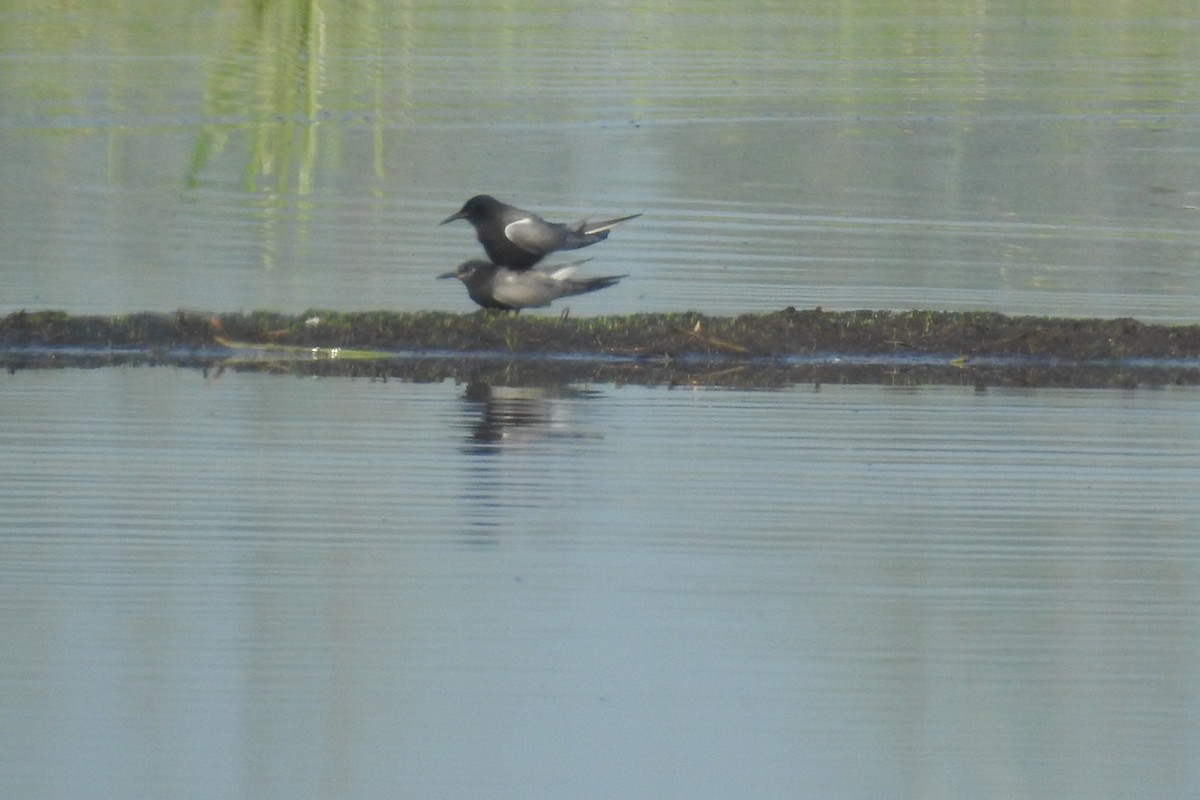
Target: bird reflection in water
{"type": "Point", "coordinates": [539, 421]}
{"type": "Point", "coordinates": [514, 416]}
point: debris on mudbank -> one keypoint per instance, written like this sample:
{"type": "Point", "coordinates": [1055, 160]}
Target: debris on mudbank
{"type": "Point", "coordinates": [745, 343]}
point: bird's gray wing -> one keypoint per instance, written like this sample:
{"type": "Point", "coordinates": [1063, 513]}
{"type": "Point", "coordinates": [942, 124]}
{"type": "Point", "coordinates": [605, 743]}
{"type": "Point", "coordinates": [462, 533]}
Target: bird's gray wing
{"type": "Point", "coordinates": [585, 227]}
{"type": "Point", "coordinates": [562, 272]}
{"type": "Point", "coordinates": [534, 235]}
{"type": "Point", "coordinates": [530, 289]}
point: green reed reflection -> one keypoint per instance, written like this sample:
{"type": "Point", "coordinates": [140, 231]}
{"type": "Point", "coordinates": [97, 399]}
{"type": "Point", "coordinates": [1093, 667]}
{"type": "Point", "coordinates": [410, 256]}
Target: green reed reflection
{"type": "Point", "coordinates": [272, 78]}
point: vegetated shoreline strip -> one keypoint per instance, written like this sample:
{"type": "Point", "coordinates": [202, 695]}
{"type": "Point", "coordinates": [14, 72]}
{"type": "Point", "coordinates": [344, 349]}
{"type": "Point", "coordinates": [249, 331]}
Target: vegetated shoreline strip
{"type": "Point", "coordinates": [779, 334]}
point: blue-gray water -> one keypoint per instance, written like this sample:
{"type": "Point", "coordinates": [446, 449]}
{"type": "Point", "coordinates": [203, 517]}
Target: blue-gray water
{"type": "Point", "coordinates": [264, 586]}
{"type": "Point", "coordinates": [256, 586]}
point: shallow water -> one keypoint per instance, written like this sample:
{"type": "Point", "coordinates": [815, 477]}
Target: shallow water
{"type": "Point", "coordinates": [865, 155]}
{"type": "Point", "coordinates": [263, 586]}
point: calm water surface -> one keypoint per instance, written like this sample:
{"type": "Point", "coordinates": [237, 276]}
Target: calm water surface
{"type": "Point", "coordinates": [263, 586]}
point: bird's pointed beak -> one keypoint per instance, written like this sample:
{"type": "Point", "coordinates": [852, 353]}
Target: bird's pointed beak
{"type": "Point", "coordinates": [452, 217]}
{"type": "Point", "coordinates": [445, 275]}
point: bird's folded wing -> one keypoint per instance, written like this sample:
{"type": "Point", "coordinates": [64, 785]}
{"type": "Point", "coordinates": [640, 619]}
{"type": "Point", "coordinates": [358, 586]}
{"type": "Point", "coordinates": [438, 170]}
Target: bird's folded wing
{"type": "Point", "coordinates": [590, 228]}
{"type": "Point", "coordinates": [564, 271]}
{"type": "Point", "coordinates": [528, 289]}
{"type": "Point", "coordinates": [534, 235]}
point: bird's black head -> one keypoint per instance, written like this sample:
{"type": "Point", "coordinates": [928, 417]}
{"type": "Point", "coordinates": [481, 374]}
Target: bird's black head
{"type": "Point", "coordinates": [479, 207]}
{"type": "Point", "coordinates": [467, 270]}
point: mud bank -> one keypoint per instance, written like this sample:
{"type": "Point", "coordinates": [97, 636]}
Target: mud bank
{"type": "Point", "coordinates": [769, 349]}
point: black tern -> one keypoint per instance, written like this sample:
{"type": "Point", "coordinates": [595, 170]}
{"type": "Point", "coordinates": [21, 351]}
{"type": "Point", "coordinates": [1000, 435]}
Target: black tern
{"type": "Point", "coordinates": [518, 239]}
{"type": "Point", "coordinates": [493, 286]}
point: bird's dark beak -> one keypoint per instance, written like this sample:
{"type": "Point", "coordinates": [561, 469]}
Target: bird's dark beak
{"type": "Point", "coordinates": [445, 275]}
{"type": "Point", "coordinates": [452, 217]}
